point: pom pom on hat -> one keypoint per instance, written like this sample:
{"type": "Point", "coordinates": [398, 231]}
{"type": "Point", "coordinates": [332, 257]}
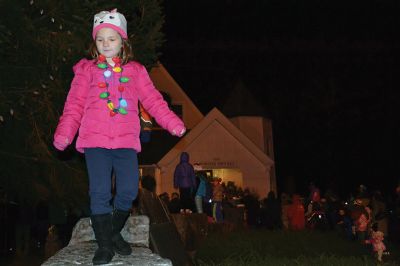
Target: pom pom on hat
{"type": "Point", "coordinates": [110, 19]}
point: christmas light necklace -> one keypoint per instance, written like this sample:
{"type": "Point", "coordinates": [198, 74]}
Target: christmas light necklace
{"type": "Point", "coordinates": [107, 74]}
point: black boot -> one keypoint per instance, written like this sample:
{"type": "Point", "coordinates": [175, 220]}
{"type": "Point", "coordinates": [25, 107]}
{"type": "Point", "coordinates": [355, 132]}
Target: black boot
{"type": "Point", "coordinates": [119, 244]}
{"type": "Point", "coordinates": [102, 227]}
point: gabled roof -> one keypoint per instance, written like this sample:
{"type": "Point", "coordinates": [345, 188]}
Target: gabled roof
{"type": "Point", "coordinates": [214, 116]}
{"type": "Point", "coordinates": [166, 83]}
{"type": "Point", "coordinates": [242, 102]}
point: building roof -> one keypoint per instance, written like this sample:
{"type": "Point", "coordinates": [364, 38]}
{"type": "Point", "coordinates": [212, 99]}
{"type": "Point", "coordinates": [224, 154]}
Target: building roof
{"type": "Point", "coordinates": [165, 82]}
{"type": "Point", "coordinates": [214, 118]}
{"type": "Point", "coordinates": [241, 102]}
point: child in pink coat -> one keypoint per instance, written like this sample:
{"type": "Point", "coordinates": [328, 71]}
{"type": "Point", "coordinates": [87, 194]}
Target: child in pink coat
{"type": "Point", "coordinates": [103, 105]}
{"type": "Point", "coordinates": [377, 243]}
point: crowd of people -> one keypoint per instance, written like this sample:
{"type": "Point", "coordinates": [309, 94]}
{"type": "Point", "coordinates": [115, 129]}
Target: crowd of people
{"type": "Point", "coordinates": [367, 217]}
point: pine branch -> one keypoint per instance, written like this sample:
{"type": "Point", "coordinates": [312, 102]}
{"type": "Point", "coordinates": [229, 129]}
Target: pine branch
{"type": "Point", "coordinates": [37, 69]}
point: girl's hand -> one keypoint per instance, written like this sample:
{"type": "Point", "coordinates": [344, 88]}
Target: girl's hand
{"type": "Point", "coordinates": [61, 145]}
{"type": "Point", "coordinates": [179, 131]}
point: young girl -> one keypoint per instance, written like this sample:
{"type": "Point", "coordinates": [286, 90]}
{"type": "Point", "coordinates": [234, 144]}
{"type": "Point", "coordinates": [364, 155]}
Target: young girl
{"type": "Point", "coordinates": [376, 241]}
{"type": "Point", "coordinates": [103, 104]}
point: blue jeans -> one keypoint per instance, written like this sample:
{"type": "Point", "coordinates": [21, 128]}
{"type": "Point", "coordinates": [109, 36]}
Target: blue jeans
{"type": "Point", "coordinates": [199, 203]}
{"type": "Point", "coordinates": [101, 163]}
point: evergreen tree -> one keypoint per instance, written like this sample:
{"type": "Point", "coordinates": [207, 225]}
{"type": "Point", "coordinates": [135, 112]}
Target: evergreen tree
{"type": "Point", "coordinates": [41, 40]}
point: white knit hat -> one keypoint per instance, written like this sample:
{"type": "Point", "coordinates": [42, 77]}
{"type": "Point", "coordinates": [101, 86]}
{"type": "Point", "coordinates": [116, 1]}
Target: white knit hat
{"type": "Point", "coordinates": [110, 19]}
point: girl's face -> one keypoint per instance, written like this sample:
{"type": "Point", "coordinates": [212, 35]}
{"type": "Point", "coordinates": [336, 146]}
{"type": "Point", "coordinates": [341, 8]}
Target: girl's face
{"type": "Point", "coordinates": [108, 42]}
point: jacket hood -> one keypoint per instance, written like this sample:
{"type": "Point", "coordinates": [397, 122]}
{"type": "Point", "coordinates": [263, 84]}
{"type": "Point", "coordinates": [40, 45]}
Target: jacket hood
{"type": "Point", "coordinates": [184, 157]}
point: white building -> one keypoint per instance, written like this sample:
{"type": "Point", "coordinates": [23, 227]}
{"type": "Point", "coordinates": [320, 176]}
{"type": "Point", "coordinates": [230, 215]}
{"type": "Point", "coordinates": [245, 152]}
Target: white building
{"type": "Point", "coordinates": [215, 142]}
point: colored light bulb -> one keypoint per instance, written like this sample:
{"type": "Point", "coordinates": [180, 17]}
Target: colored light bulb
{"type": "Point", "coordinates": [107, 73]}
{"type": "Point", "coordinates": [123, 103]}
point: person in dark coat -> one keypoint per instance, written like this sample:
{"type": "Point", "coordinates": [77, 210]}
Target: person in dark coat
{"type": "Point", "coordinates": [185, 181]}
{"type": "Point", "coordinates": [344, 224]}
{"type": "Point", "coordinates": [272, 213]}
{"type": "Point", "coordinates": [252, 207]}
{"type": "Point", "coordinates": [174, 205]}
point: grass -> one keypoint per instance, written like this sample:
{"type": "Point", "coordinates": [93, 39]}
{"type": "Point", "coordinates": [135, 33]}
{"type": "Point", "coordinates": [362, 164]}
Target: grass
{"type": "Point", "coordinates": [262, 247]}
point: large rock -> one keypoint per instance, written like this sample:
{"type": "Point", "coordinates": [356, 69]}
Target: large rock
{"type": "Point", "coordinates": [192, 229]}
{"type": "Point", "coordinates": [82, 246]}
{"type": "Point", "coordinates": [82, 254]}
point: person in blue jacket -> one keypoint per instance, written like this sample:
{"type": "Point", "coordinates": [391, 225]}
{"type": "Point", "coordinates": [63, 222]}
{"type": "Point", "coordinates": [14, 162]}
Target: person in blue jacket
{"type": "Point", "coordinates": [185, 181]}
{"type": "Point", "coordinates": [201, 192]}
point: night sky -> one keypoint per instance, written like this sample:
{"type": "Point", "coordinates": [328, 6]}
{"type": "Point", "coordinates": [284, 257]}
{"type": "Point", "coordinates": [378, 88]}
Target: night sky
{"type": "Point", "coordinates": [325, 72]}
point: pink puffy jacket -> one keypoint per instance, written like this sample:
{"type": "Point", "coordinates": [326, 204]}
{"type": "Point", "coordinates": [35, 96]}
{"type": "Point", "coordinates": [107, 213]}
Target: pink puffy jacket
{"type": "Point", "coordinates": [84, 110]}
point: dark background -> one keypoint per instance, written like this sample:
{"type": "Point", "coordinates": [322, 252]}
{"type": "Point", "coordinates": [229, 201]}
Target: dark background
{"type": "Point", "coordinates": [325, 72]}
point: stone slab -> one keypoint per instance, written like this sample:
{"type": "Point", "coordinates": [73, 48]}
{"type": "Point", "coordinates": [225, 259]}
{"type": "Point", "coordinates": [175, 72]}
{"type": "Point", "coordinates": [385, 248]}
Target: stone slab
{"type": "Point", "coordinates": [82, 254]}
{"type": "Point", "coordinates": [82, 246]}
